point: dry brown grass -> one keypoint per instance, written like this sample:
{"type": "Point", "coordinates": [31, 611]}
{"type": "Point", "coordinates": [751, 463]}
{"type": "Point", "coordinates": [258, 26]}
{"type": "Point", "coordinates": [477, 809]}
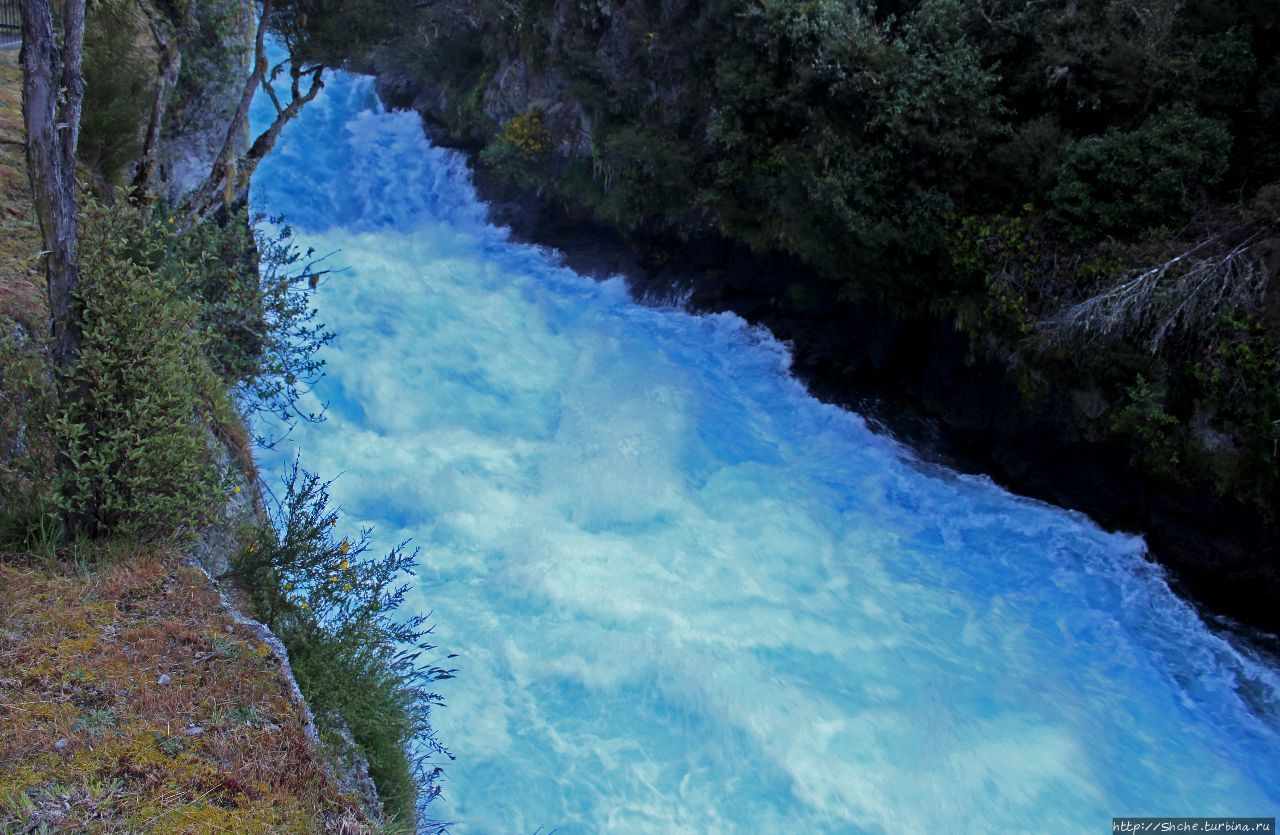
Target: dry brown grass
{"type": "Point", "coordinates": [91, 741]}
{"type": "Point", "coordinates": [21, 285]}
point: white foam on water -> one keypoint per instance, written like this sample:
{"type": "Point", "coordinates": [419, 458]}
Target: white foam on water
{"type": "Point", "coordinates": [688, 597]}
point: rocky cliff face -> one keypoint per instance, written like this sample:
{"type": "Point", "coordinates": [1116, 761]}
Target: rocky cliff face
{"type": "Point", "coordinates": [209, 86]}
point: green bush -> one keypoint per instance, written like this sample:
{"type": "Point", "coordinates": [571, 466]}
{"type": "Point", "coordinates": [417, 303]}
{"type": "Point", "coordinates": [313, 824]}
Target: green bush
{"type": "Point", "coordinates": [1239, 374]}
{"type": "Point", "coordinates": [27, 404]}
{"type": "Point", "coordinates": [27, 400]}
{"type": "Point", "coordinates": [356, 659]}
{"type": "Point", "coordinates": [1000, 252]}
{"type": "Point", "coordinates": [135, 450]}
{"type": "Point", "coordinates": [519, 152]}
{"type": "Point", "coordinates": [225, 284]}
{"type": "Point", "coordinates": [1124, 182]}
{"type": "Point", "coordinates": [290, 362]}
{"type": "Point", "coordinates": [322, 29]}
{"type": "Point", "coordinates": [1156, 437]}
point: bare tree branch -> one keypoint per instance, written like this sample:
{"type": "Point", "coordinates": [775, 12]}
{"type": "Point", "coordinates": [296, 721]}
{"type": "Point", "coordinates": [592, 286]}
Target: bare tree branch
{"type": "Point", "coordinates": [267, 139]}
{"type": "Point", "coordinates": [170, 65]}
{"type": "Point", "coordinates": [231, 173]}
{"type": "Point", "coordinates": [1183, 294]}
{"type": "Point", "coordinates": [268, 86]}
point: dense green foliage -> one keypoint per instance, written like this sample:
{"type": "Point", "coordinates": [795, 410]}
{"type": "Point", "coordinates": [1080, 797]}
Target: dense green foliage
{"type": "Point", "coordinates": [848, 133]}
{"type": "Point", "coordinates": [133, 436]}
{"type": "Point", "coordinates": [1124, 182]}
{"type": "Point", "coordinates": [520, 149]}
{"type": "Point", "coordinates": [323, 30]}
{"type": "Point", "coordinates": [27, 403]}
{"type": "Point", "coordinates": [355, 656]}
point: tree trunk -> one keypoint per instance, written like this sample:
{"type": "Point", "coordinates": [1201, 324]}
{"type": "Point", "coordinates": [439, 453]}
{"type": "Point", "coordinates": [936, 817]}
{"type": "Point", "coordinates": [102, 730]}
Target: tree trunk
{"type": "Point", "coordinates": [52, 95]}
{"type": "Point", "coordinates": [170, 65]}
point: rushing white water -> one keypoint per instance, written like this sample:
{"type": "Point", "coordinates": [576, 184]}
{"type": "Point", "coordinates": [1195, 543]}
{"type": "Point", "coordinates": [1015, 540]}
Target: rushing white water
{"type": "Point", "coordinates": [690, 598]}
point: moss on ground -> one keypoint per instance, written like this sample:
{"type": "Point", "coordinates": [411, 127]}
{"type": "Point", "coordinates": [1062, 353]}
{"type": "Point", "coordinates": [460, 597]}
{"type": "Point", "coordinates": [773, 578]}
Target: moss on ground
{"type": "Point", "coordinates": [131, 701]}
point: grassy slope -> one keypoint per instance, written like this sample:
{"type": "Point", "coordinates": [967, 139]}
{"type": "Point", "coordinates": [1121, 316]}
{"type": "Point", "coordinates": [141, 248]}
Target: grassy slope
{"type": "Point", "coordinates": [81, 654]}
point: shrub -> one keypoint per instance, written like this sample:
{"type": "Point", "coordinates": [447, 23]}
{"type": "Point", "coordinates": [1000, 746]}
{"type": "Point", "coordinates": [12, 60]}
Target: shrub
{"type": "Point", "coordinates": [528, 134]}
{"type": "Point", "coordinates": [135, 452]}
{"type": "Point", "coordinates": [1001, 252]}
{"type": "Point", "coordinates": [1240, 378]}
{"type": "Point", "coordinates": [276, 379]}
{"type": "Point", "coordinates": [225, 284]}
{"type": "Point", "coordinates": [519, 151]}
{"type": "Point", "coordinates": [1124, 182]}
{"type": "Point", "coordinates": [1155, 435]}
{"type": "Point", "coordinates": [252, 286]}
{"type": "Point", "coordinates": [27, 402]}
{"type": "Point", "coordinates": [356, 660]}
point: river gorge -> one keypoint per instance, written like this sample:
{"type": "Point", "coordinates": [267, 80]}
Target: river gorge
{"type": "Point", "coordinates": [688, 597]}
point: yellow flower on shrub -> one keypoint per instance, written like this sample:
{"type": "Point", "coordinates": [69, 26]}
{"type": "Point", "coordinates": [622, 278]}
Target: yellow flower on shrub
{"type": "Point", "coordinates": [528, 133]}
